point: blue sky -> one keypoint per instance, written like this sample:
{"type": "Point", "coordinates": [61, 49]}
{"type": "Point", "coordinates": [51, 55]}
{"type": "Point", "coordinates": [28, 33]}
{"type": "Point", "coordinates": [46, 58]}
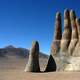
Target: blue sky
{"type": "Point", "coordinates": [22, 21]}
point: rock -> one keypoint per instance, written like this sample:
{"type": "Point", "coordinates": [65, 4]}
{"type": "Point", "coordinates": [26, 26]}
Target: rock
{"type": "Point", "coordinates": [33, 62]}
{"type": "Point", "coordinates": [66, 36]}
{"type": "Point", "coordinates": [55, 46]}
{"type": "Point", "coordinates": [74, 36]}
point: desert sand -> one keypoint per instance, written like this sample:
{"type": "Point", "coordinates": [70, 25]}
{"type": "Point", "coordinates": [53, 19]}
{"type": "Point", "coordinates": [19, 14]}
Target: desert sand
{"type": "Point", "coordinates": [12, 68]}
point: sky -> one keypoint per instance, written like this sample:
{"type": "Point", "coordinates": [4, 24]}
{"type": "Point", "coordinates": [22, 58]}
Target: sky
{"type": "Point", "coordinates": [23, 21]}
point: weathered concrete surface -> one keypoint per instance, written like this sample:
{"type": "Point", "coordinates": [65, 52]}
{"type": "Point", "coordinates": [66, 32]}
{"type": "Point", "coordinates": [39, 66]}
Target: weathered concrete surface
{"type": "Point", "coordinates": [77, 47]}
{"type": "Point", "coordinates": [73, 64]}
{"type": "Point", "coordinates": [74, 36]}
{"type": "Point", "coordinates": [66, 35]}
{"type": "Point", "coordinates": [33, 62]}
{"type": "Point", "coordinates": [55, 46]}
{"type": "Point", "coordinates": [68, 54]}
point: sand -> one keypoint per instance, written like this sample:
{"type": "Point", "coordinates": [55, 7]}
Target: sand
{"type": "Point", "coordinates": [13, 69]}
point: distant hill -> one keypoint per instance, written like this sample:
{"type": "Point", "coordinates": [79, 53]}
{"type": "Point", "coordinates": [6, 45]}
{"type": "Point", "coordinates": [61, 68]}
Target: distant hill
{"type": "Point", "coordinates": [19, 52]}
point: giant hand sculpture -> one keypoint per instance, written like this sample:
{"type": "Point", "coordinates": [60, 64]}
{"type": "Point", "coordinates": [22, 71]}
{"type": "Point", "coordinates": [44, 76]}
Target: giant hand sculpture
{"type": "Point", "coordinates": [65, 47]}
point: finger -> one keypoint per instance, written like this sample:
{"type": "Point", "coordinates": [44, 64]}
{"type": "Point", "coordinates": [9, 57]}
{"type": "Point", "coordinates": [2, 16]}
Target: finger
{"type": "Point", "coordinates": [57, 35]}
{"type": "Point", "coordinates": [74, 36]}
{"type": "Point", "coordinates": [55, 46]}
{"type": "Point", "coordinates": [73, 25]}
{"type": "Point", "coordinates": [58, 25]}
{"type": "Point", "coordinates": [77, 48]}
{"type": "Point", "coordinates": [33, 62]}
{"type": "Point", "coordinates": [66, 36]}
{"type": "Point", "coordinates": [78, 26]}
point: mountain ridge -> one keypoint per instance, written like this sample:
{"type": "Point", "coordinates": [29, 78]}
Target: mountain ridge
{"type": "Point", "coordinates": [20, 52]}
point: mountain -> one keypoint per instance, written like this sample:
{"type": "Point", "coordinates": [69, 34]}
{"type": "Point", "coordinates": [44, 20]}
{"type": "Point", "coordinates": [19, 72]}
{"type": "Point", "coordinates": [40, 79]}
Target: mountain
{"type": "Point", "coordinates": [19, 52]}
